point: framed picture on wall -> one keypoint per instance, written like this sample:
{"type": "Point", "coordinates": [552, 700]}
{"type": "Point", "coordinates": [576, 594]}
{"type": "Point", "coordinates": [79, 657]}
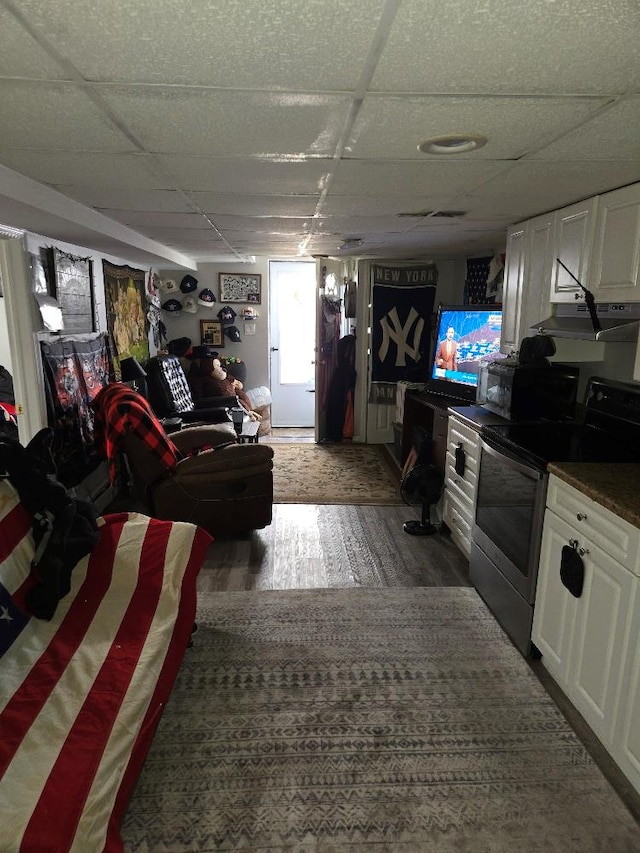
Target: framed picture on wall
{"type": "Point", "coordinates": [237, 287]}
{"type": "Point", "coordinates": [211, 332]}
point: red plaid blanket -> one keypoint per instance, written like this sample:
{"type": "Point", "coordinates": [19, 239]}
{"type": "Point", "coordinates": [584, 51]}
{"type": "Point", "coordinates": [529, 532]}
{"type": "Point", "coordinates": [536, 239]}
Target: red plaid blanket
{"type": "Point", "coordinates": [118, 411]}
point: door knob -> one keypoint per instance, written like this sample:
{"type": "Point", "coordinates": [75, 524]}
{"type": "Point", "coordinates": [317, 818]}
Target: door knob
{"type": "Point", "coordinates": [275, 349]}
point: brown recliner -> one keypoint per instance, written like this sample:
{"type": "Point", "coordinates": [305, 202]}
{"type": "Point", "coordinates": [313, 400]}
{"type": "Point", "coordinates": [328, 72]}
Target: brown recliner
{"type": "Point", "coordinates": [227, 488]}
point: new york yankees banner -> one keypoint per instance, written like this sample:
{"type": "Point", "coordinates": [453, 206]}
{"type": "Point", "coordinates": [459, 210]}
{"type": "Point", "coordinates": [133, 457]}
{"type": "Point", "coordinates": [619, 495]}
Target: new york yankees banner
{"type": "Point", "coordinates": [403, 300]}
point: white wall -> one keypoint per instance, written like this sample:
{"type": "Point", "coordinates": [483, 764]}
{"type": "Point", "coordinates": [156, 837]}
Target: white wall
{"type": "Point", "coordinates": [5, 350]}
{"type": "Point", "coordinates": [253, 349]}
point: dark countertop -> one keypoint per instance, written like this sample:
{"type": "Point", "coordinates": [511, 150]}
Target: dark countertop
{"type": "Point", "coordinates": [476, 416]}
{"type": "Point", "coordinates": [614, 485]}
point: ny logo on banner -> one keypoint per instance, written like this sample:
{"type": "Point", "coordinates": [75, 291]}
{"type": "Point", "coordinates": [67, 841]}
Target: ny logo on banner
{"type": "Point", "coordinates": [393, 330]}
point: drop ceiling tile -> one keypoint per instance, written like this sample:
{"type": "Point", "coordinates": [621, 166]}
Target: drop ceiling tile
{"type": "Point", "coordinates": [55, 115]}
{"type": "Point", "coordinates": [568, 181]}
{"type": "Point", "coordinates": [509, 207]}
{"type": "Point", "coordinates": [356, 224]}
{"type": "Point", "coordinates": [306, 44]}
{"type": "Point", "coordinates": [186, 238]}
{"type": "Point", "coordinates": [21, 55]}
{"type": "Point", "coordinates": [263, 224]}
{"type": "Point", "coordinates": [393, 127]}
{"type": "Point", "coordinates": [248, 238]}
{"type": "Point", "coordinates": [161, 219]}
{"type": "Point", "coordinates": [244, 176]}
{"type": "Point", "coordinates": [247, 205]}
{"type": "Point", "coordinates": [240, 124]}
{"type": "Point", "coordinates": [613, 135]}
{"type": "Point", "coordinates": [369, 178]}
{"type": "Point", "coordinates": [519, 46]}
{"type": "Point", "coordinates": [108, 171]}
{"type": "Point", "coordinates": [382, 205]}
{"type": "Point", "coordinates": [125, 199]}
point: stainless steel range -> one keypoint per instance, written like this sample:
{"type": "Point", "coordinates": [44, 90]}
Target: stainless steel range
{"type": "Point", "coordinates": [511, 493]}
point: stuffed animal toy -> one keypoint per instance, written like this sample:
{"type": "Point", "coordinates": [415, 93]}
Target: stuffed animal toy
{"type": "Point", "coordinates": [222, 384]}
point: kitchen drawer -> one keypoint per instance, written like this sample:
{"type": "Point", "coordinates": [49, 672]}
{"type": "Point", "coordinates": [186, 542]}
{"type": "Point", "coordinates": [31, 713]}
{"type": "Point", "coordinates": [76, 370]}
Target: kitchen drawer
{"type": "Point", "coordinates": [460, 433]}
{"type": "Point", "coordinates": [458, 523]}
{"type": "Point", "coordinates": [615, 536]}
{"type": "Point", "coordinates": [462, 487]}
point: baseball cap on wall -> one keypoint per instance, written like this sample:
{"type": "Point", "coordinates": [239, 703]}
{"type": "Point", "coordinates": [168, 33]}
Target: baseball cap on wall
{"type": "Point", "coordinates": [189, 304]}
{"type": "Point", "coordinates": [227, 314]}
{"type": "Point", "coordinates": [188, 284]}
{"type": "Point", "coordinates": [172, 306]}
{"type": "Point", "coordinates": [206, 297]}
{"type": "Point", "coordinates": [169, 285]}
{"type": "Point", "coordinates": [233, 333]}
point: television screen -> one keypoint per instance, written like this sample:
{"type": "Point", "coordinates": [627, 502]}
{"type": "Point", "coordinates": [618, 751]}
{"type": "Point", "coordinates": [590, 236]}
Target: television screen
{"type": "Point", "coordinates": [466, 335]}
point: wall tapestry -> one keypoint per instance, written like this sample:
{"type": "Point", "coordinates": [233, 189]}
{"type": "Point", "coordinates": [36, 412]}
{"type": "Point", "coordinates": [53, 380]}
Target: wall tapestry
{"type": "Point", "coordinates": [402, 298]}
{"type": "Point", "coordinates": [125, 292]}
{"type": "Point", "coordinates": [71, 285]}
{"type": "Point", "coordinates": [483, 284]}
{"type": "Point", "coordinates": [75, 369]}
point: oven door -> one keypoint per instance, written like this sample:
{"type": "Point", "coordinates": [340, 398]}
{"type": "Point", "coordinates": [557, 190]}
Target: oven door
{"type": "Point", "coordinates": [509, 515]}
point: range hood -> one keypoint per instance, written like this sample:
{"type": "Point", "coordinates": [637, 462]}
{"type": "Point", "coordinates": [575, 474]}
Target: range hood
{"type": "Point", "coordinates": [618, 321]}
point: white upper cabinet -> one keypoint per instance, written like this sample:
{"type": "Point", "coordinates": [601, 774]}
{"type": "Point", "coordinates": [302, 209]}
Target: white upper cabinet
{"type": "Point", "coordinates": [512, 289]}
{"type": "Point", "coordinates": [573, 239]}
{"type": "Point", "coordinates": [527, 279]}
{"type": "Point", "coordinates": [615, 264]}
{"type": "Point", "coordinates": [538, 266]}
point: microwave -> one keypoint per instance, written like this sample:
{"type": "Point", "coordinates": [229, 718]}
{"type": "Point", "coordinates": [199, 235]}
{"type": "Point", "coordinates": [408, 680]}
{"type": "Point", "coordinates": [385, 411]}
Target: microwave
{"type": "Point", "coordinates": [520, 392]}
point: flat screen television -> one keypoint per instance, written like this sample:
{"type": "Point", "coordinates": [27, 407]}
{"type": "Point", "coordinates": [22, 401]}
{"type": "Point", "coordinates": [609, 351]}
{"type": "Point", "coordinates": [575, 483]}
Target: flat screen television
{"type": "Point", "coordinates": [466, 335]}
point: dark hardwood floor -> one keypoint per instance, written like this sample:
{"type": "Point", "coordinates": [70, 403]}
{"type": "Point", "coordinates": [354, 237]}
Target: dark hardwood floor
{"type": "Point", "coordinates": [309, 545]}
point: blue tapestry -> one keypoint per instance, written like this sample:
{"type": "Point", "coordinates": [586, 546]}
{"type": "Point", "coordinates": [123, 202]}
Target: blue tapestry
{"type": "Point", "coordinates": [403, 299]}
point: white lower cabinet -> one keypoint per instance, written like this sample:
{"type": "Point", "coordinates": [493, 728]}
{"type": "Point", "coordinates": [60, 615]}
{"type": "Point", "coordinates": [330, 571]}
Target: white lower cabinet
{"type": "Point", "coordinates": [460, 488]}
{"type": "Point", "coordinates": [590, 644]}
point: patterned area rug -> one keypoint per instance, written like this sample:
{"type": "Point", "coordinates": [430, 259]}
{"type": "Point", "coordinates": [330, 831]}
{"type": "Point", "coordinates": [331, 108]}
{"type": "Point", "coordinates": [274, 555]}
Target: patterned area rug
{"type": "Point", "coordinates": [336, 720]}
{"type": "Point", "coordinates": [355, 474]}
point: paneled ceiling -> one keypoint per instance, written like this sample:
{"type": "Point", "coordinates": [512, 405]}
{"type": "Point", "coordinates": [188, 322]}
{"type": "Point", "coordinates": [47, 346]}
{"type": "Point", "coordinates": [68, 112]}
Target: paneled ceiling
{"type": "Point", "coordinates": [177, 132]}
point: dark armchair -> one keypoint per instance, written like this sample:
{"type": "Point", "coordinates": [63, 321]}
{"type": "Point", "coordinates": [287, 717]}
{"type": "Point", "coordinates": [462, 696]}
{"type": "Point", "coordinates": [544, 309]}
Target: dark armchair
{"type": "Point", "coordinates": [199, 474]}
{"type": "Point", "coordinates": [170, 395]}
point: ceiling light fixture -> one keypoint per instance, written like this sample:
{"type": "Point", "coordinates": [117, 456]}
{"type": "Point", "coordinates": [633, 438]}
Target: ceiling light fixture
{"type": "Point", "coordinates": [452, 143]}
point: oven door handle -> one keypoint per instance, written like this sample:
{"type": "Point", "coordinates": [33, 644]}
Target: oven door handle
{"type": "Point", "coordinates": [499, 451]}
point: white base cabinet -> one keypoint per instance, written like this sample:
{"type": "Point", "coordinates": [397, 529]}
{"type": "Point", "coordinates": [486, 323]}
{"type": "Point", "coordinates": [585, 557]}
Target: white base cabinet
{"type": "Point", "coordinates": [590, 644]}
{"type": "Point", "coordinates": [460, 489]}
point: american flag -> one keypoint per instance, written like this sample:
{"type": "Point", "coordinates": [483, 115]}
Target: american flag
{"type": "Point", "coordinates": [80, 695]}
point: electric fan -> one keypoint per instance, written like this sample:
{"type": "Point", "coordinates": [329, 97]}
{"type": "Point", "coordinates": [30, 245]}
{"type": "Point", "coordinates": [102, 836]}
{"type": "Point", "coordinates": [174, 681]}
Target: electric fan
{"type": "Point", "coordinates": [421, 486]}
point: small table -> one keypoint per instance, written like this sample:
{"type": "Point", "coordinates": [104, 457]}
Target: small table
{"type": "Point", "coordinates": [249, 434]}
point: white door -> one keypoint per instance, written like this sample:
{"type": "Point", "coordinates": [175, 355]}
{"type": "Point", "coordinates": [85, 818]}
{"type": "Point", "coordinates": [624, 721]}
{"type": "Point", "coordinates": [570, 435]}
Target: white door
{"type": "Point", "coordinates": [292, 324]}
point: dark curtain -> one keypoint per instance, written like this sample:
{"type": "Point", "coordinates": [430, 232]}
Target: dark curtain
{"type": "Point", "coordinates": [74, 371]}
{"type": "Point", "coordinates": [341, 390]}
{"type": "Point", "coordinates": [330, 320]}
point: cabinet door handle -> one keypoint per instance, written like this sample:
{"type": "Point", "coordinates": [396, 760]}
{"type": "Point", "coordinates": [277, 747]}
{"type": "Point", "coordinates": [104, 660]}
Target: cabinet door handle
{"type": "Point", "coordinates": [581, 516]}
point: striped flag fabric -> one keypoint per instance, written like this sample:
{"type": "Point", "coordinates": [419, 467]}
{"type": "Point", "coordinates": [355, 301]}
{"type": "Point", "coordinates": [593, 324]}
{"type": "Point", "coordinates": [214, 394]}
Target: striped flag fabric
{"type": "Point", "coordinates": [81, 695]}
